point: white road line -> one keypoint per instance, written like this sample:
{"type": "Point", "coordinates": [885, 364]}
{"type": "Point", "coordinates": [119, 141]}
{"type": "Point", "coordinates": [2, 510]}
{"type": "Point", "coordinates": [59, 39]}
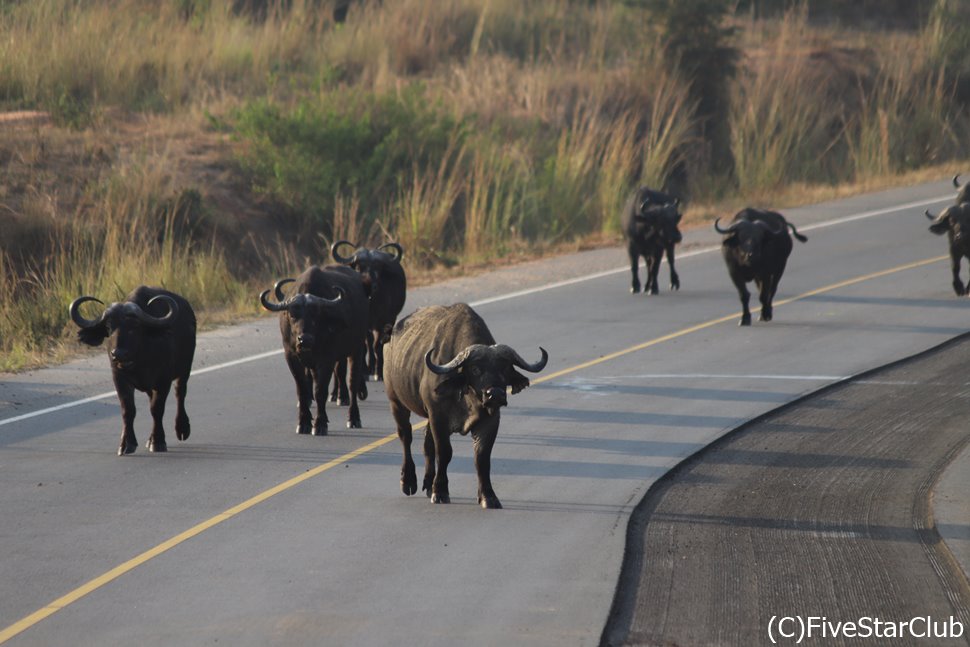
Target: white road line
{"type": "Point", "coordinates": [511, 295]}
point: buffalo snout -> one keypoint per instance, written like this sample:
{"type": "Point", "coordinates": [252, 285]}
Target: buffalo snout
{"type": "Point", "coordinates": [495, 397]}
{"type": "Point", "coordinates": [304, 342]}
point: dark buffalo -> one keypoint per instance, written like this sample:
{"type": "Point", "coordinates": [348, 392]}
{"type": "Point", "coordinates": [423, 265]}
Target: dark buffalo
{"type": "Point", "coordinates": [384, 275]}
{"type": "Point", "coordinates": [649, 222]}
{"type": "Point", "coordinates": [955, 223]}
{"type": "Point", "coordinates": [151, 343]}
{"type": "Point", "coordinates": [756, 247]}
{"type": "Point", "coordinates": [963, 192]}
{"type": "Point", "coordinates": [324, 322]}
{"type": "Point", "coordinates": [444, 365]}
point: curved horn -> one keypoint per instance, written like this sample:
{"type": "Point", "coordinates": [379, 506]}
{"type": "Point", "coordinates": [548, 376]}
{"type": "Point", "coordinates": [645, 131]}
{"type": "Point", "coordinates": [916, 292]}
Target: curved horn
{"type": "Point", "coordinates": [929, 215]}
{"type": "Point", "coordinates": [444, 369]}
{"type": "Point", "coordinates": [323, 301]}
{"type": "Point", "coordinates": [272, 307]}
{"type": "Point", "coordinates": [343, 260]}
{"type": "Point", "coordinates": [521, 363]}
{"type": "Point", "coordinates": [76, 314]}
{"type": "Point", "coordinates": [160, 322]}
{"type": "Point", "coordinates": [956, 184]}
{"type": "Point", "coordinates": [278, 289]}
{"type": "Point", "coordinates": [395, 247]}
{"type": "Point", "coordinates": [729, 230]}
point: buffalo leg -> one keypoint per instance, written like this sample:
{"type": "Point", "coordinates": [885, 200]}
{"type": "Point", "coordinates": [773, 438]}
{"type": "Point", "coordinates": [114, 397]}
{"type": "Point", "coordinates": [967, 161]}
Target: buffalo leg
{"type": "Point", "coordinates": [379, 356]}
{"type": "Point", "coordinates": [321, 382]}
{"type": "Point", "coordinates": [653, 270]}
{"type": "Point", "coordinates": [958, 286]}
{"type": "Point", "coordinates": [126, 394]}
{"type": "Point", "coordinates": [340, 394]}
{"type": "Point", "coordinates": [483, 467]}
{"type": "Point", "coordinates": [634, 268]}
{"type": "Point", "coordinates": [429, 462]}
{"type": "Point", "coordinates": [304, 394]}
{"type": "Point", "coordinates": [370, 363]}
{"type": "Point", "coordinates": [357, 377]}
{"type": "Point", "coordinates": [765, 293]}
{"type": "Point", "coordinates": [409, 478]}
{"type": "Point", "coordinates": [442, 450]}
{"type": "Point", "coordinates": [674, 278]}
{"type": "Point", "coordinates": [745, 297]}
{"type": "Point", "coordinates": [156, 442]}
{"type": "Point", "coordinates": [182, 427]}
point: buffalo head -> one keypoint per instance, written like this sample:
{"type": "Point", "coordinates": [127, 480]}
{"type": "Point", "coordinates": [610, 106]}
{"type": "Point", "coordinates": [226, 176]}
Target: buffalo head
{"type": "Point", "coordinates": [955, 220]}
{"type": "Point", "coordinates": [486, 371]}
{"type": "Point", "coordinates": [660, 220]}
{"type": "Point", "coordinates": [747, 238]}
{"type": "Point", "coordinates": [310, 317]}
{"type": "Point", "coordinates": [122, 324]}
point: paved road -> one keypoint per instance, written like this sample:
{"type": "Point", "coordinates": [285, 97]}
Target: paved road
{"type": "Point", "coordinates": [822, 509]}
{"type": "Point", "coordinates": [251, 535]}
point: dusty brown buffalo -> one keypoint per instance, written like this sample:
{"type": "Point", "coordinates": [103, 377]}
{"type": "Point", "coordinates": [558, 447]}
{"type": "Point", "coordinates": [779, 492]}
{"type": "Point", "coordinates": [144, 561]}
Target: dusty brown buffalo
{"type": "Point", "coordinates": [955, 223]}
{"type": "Point", "coordinates": [756, 247]}
{"type": "Point", "coordinates": [151, 343]}
{"type": "Point", "coordinates": [323, 322]}
{"type": "Point", "coordinates": [649, 223]}
{"type": "Point", "coordinates": [443, 364]}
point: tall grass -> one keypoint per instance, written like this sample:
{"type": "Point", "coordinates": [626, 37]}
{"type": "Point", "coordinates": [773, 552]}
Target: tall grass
{"type": "Point", "coordinates": [465, 129]}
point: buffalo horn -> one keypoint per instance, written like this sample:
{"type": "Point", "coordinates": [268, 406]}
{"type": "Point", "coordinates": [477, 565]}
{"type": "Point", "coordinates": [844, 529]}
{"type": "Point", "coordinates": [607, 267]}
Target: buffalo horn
{"type": "Point", "coordinates": [931, 216]}
{"type": "Point", "coordinates": [517, 360]}
{"type": "Point", "coordinates": [274, 307]}
{"type": "Point", "coordinates": [76, 314]}
{"type": "Point", "coordinates": [729, 230]}
{"type": "Point", "coordinates": [343, 260]}
{"type": "Point", "coordinates": [956, 184]}
{"type": "Point", "coordinates": [278, 289]}
{"type": "Point", "coordinates": [397, 248]}
{"type": "Point", "coordinates": [445, 369]}
{"type": "Point", "coordinates": [159, 322]}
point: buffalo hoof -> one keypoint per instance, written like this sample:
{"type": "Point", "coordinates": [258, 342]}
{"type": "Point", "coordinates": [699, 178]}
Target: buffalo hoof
{"type": "Point", "coordinates": [635, 289]}
{"type": "Point", "coordinates": [354, 424]}
{"type": "Point", "coordinates": [362, 392]}
{"type": "Point", "coordinates": [428, 484]}
{"type": "Point", "coordinates": [675, 285]}
{"type": "Point", "coordinates": [182, 431]}
{"type": "Point", "coordinates": [653, 291]}
{"type": "Point", "coordinates": [333, 397]}
{"type": "Point", "coordinates": [745, 320]}
{"type": "Point", "coordinates": [437, 497]}
{"type": "Point", "coordinates": [765, 316]}
{"type": "Point", "coordinates": [127, 447]}
{"type": "Point", "coordinates": [409, 482]}
{"type": "Point", "coordinates": [303, 428]}
{"type": "Point", "coordinates": [490, 502]}
{"type": "Point", "coordinates": [157, 445]}
{"type": "Point", "coordinates": [319, 429]}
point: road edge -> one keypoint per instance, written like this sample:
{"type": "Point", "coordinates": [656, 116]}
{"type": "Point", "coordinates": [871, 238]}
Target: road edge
{"type": "Point", "coordinates": [945, 492]}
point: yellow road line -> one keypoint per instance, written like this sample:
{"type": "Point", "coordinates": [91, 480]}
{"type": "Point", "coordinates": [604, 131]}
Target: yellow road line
{"type": "Point", "coordinates": [83, 590]}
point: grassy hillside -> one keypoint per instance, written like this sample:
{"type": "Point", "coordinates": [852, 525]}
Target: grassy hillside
{"type": "Point", "coordinates": [212, 146]}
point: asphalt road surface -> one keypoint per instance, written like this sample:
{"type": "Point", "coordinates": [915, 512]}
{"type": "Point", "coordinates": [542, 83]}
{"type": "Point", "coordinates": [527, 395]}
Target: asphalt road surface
{"type": "Point", "coordinates": [819, 510]}
{"type": "Point", "coordinates": [247, 534]}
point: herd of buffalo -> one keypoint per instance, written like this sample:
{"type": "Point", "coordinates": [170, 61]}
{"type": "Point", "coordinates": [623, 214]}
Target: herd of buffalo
{"type": "Point", "coordinates": [442, 363]}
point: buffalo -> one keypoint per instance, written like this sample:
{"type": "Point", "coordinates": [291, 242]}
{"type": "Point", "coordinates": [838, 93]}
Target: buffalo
{"type": "Point", "coordinates": [323, 322]}
{"type": "Point", "coordinates": [443, 364]}
{"type": "Point", "coordinates": [151, 343]}
{"type": "Point", "coordinates": [756, 247]}
{"type": "Point", "coordinates": [387, 284]}
{"type": "Point", "coordinates": [954, 221]}
{"type": "Point", "coordinates": [649, 222]}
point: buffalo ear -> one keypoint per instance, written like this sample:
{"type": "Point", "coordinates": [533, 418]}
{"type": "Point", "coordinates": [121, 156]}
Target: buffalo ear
{"type": "Point", "coordinates": [730, 241]}
{"type": "Point", "coordinates": [92, 336]}
{"type": "Point", "coordinates": [453, 385]}
{"type": "Point", "coordinates": [517, 381]}
{"type": "Point", "coordinates": [941, 227]}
